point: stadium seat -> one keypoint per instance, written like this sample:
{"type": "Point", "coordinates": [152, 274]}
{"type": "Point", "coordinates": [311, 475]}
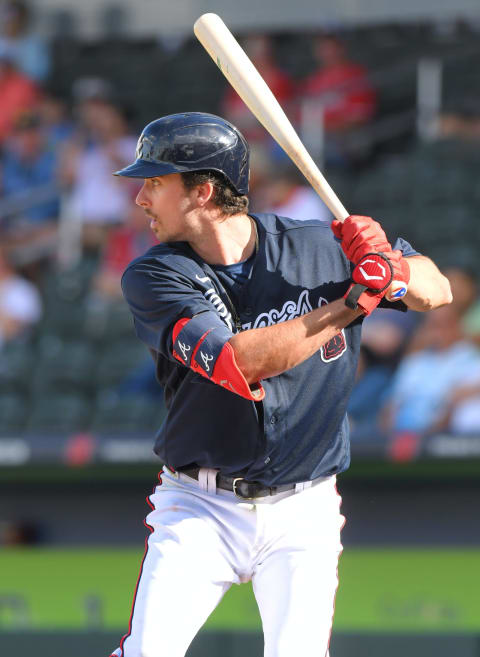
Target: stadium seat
{"type": "Point", "coordinates": [65, 366]}
{"type": "Point", "coordinates": [59, 414]}
{"type": "Point", "coordinates": [17, 361]}
{"type": "Point", "coordinates": [133, 414]}
{"type": "Point", "coordinates": [107, 322]}
{"type": "Point", "coordinates": [12, 413]}
{"type": "Point", "coordinates": [118, 360]}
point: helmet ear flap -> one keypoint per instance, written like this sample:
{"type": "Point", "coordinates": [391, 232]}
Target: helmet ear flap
{"type": "Point", "coordinates": [192, 141]}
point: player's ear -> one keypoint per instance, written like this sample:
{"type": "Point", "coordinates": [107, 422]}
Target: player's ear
{"type": "Point", "coordinates": [204, 193]}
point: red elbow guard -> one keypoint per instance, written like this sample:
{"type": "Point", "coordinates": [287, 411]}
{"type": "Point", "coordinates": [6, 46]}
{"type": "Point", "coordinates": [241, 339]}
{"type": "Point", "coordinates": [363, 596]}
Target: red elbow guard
{"type": "Point", "coordinates": [206, 350]}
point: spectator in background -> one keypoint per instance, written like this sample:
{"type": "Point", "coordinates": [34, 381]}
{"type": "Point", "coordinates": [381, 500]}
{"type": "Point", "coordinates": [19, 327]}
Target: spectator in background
{"type": "Point", "coordinates": [465, 297]}
{"type": "Point", "coordinates": [346, 101]}
{"type": "Point", "coordinates": [259, 49]}
{"type": "Point", "coordinates": [30, 53]}
{"type": "Point", "coordinates": [459, 125]}
{"type": "Point", "coordinates": [277, 186]}
{"type": "Point", "coordinates": [29, 163]}
{"type": "Point", "coordinates": [286, 195]}
{"type": "Point", "coordinates": [20, 303]}
{"type": "Point", "coordinates": [57, 124]}
{"type": "Point", "coordinates": [427, 381]}
{"type": "Point", "coordinates": [123, 244]}
{"type": "Point", "coordinates": [29, 180]}
{"type": "Point", "coordinates": [101, 144]}
{"type": "Point", "coordinates": [385, 336]}
{"type": "Point", "coordinates": [17, 92]}
{"type": "Point", "coordinates": [464, 288]}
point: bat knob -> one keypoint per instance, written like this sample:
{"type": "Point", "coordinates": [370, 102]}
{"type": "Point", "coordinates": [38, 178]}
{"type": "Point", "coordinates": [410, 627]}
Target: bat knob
{"type": "Point", "coordinates": [396, 291]}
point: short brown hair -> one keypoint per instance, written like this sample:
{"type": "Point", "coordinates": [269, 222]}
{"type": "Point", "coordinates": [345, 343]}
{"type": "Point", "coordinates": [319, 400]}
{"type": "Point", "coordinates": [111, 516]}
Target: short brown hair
{"type": "Point", "coordinates": [224, 195]}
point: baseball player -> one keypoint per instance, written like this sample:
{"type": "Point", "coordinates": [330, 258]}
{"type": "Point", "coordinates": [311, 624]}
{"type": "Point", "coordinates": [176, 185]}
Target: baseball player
{"type": "Point", "coordinates": [254, 323]}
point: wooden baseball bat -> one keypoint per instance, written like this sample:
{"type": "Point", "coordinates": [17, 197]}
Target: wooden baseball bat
{"type": "Point", "coordinates": [232, 60]}
{"type": "Point", "coordinates": [235, 65]}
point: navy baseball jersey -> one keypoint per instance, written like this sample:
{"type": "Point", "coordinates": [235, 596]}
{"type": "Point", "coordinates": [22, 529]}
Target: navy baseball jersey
{"type": "Point", "coordinates": [299, 430]}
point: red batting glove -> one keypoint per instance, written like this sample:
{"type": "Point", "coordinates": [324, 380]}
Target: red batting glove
{"type": "Point", "coordinates": [372, 278]}
{"type": "Point", "coordinates": [401, 276]}
{"type": "Point", "coordinates": [360, 235]}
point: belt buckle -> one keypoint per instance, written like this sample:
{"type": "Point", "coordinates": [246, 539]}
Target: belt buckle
{"type": "Point", "coordinates": [234, 488]}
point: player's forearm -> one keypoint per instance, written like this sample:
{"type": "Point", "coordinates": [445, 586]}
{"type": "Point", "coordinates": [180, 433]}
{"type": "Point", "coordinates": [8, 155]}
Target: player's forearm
{"type": "Point", "coordinates": [428, 288]}
{"type": "Point", "coordinates": [265, 352]}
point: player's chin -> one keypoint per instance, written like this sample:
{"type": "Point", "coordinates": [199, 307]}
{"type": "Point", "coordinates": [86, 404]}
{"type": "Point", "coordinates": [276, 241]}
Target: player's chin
{"type": "Point", "coordinates": [156, 229]}
{"type": "Point", "coordinates": [160, 234]}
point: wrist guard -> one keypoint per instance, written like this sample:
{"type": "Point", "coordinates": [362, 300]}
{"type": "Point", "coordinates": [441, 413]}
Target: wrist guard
{"type": "Point", "coordinates": [371, 277]}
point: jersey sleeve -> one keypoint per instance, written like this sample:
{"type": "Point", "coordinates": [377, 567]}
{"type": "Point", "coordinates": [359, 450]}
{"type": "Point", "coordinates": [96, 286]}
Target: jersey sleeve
{"type": "Point", "coordinates": [405, 247]}
{"type": "Point", "coordinates": [173, 318]}
{"type": "Point", "coordinates": [157, 299]}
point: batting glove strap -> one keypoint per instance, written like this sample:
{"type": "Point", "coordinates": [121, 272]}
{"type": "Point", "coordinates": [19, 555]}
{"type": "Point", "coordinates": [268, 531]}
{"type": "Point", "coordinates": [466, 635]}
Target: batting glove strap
{"type": "Point", "coordinates": [371, 278]}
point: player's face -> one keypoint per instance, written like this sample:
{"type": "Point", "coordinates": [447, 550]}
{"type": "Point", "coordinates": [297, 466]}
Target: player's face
{"type": "Point", "coordinates": [169, 206]}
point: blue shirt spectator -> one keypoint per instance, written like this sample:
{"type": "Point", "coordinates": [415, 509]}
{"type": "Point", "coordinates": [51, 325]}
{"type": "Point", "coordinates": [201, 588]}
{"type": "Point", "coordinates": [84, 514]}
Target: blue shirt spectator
{"type": "Point", "coordinates": [30, 163]}
{"type": "Point", "coordinates": [30, 53]}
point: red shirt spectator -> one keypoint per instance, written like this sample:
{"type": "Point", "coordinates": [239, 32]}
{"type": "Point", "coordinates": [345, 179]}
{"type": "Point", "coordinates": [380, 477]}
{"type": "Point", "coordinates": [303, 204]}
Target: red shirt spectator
{"type": "Point", "coordinates": [341, 87]}
{"type": "Point", "coordinates": [18, 94]}
{"type": "Point", "coordinates": [259, 49]}
{"type": "Point", "coordinates": [123, 244]}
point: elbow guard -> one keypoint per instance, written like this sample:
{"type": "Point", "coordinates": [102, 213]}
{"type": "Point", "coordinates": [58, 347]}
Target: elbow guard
{"type": "Point", "coordinates": [201, 344]}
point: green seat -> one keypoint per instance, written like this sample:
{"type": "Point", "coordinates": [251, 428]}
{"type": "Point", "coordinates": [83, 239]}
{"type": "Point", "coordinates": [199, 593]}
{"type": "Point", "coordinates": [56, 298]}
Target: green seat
{"type": "Point", "coordinates": [17, 360]}
{"type": "Point", "coordinates": [117, 361]}
{"type": "Point", "coordinates": [65, 366]}
{"type": "Point", "coordinates": [13, 411]}
{"type": "Point", "coordinates": [109, 321]}
{"type": "Point", "coordinates": [133, 414]}
{"type": "Point", "coordinates": [61, 413]}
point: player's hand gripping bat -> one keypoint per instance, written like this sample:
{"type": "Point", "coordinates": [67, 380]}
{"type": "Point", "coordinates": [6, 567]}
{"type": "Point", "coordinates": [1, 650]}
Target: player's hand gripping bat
{"type": "Point", "coordinates": [232, 60]}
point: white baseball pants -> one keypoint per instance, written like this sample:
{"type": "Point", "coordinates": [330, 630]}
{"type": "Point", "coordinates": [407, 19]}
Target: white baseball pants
{"type": "Point", "coordinates": [204, 539]}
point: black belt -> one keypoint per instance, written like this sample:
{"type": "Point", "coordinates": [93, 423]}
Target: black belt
{"type": "Point", "coordinates": [247, 490]}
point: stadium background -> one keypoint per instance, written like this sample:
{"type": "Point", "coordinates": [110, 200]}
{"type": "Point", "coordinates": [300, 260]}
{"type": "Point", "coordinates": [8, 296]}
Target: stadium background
{"type": "Point", "coordinates": [75, 443]}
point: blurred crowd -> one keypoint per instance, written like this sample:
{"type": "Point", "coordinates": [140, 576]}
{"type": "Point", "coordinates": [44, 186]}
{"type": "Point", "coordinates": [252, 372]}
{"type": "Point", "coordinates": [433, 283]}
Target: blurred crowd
{"type": "Point", "coordinates": [60, 204]}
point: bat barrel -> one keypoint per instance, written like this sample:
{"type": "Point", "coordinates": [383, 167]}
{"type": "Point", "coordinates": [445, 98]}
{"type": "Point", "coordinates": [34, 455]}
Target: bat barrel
{"type": "Point", "coordinates": [235, 65]}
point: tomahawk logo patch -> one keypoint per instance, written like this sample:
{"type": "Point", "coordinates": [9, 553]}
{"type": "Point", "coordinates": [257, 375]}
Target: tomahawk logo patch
{"type": "Point", "coordinates": [335, 347]}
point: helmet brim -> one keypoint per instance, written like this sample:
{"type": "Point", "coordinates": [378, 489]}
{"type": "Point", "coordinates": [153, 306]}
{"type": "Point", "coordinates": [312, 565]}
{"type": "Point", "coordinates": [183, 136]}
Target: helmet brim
{"type": "Point", "coordinates": [145, 169]}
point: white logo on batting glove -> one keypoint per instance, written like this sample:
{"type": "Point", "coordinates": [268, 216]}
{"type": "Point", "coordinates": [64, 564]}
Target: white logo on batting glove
{"type": "Point", "coordinates": [367, 277]}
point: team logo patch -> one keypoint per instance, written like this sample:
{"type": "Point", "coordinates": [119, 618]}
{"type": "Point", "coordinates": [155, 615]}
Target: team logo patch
{"type": "Point", "coordinates": [335, 347]}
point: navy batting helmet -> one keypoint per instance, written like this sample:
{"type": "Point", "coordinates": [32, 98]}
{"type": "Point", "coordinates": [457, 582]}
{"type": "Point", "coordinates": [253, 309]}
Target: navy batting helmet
{"type": "Point", "coordinates": [192, 141]}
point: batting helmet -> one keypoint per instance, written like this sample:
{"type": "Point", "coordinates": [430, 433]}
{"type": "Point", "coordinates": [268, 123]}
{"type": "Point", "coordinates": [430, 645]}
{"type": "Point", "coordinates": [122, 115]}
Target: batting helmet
{"type": "Point", "coordinates": [192, 141]}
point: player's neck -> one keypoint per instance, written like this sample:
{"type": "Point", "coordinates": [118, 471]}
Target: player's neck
{"type": "Point", "coordinates": [227, 241]}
